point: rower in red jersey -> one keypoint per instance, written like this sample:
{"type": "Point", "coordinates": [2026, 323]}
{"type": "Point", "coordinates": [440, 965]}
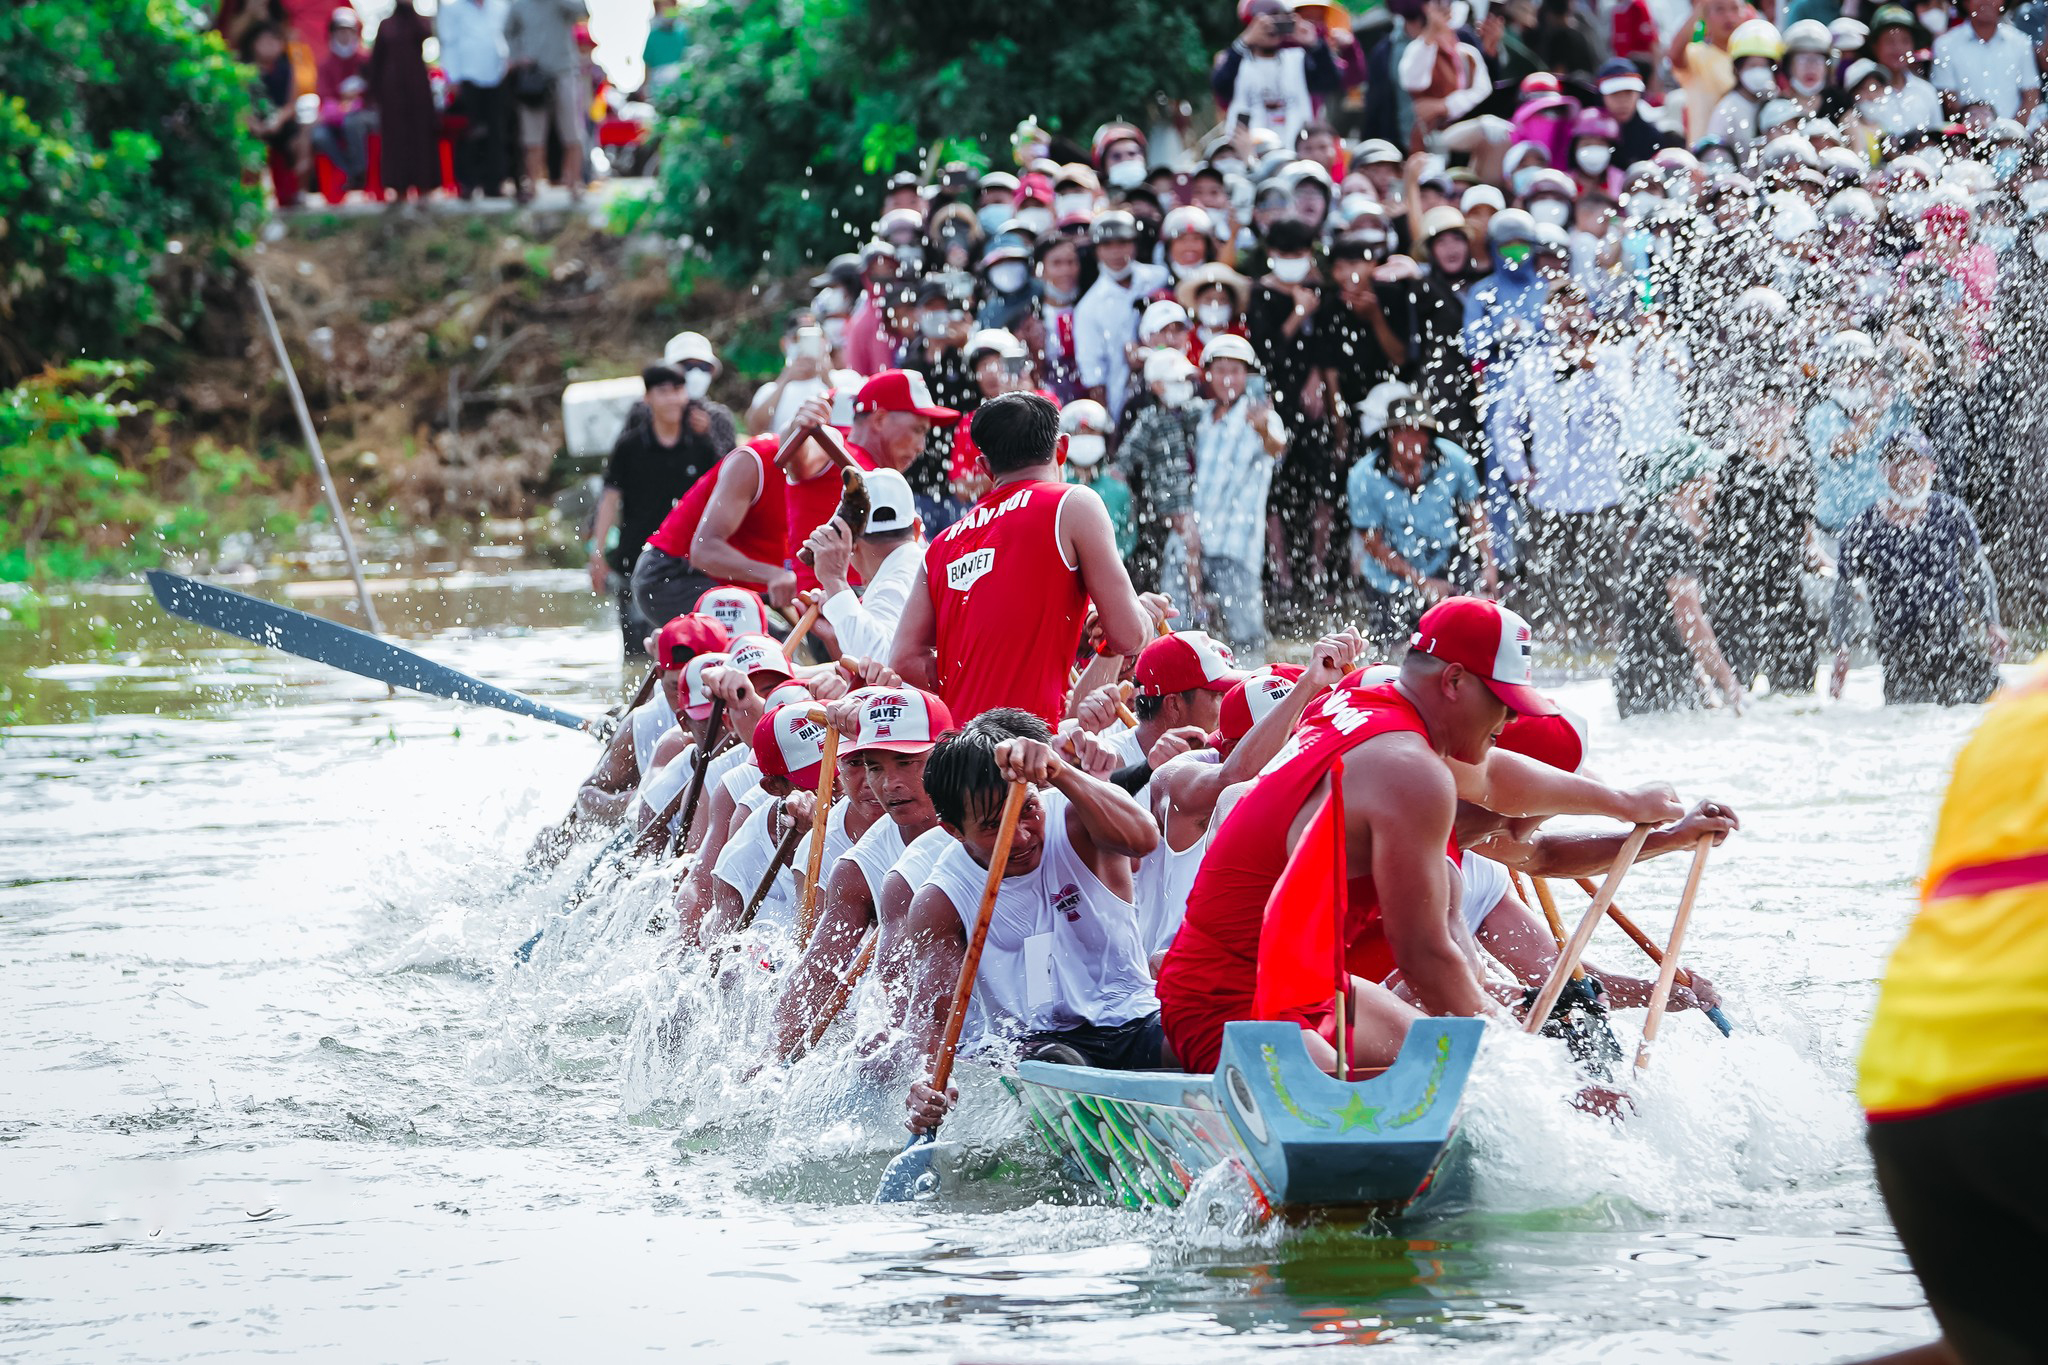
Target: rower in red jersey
{"type": "Point", "coordinates": [726, 529]}
{"type": "Point", "coordinates": [1410, 749]}
{"type": "Point", "coordinates": [996, 614]}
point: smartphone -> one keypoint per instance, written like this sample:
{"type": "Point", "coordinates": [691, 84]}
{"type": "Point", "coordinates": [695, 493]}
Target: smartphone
{"type": "Point", "coordinates": [1284, 25]}
{"type": "Point", "coordinates": [1244, 117]}
{"type": "Point", "coordinates": [1255, 389]}
{"type": "Point", "coordinates": [810, 342]}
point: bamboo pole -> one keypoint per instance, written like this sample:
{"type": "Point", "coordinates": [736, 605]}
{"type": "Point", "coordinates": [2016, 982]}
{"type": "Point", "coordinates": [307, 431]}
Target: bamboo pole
{"type": "Point", "coordinates": [1668, 971]}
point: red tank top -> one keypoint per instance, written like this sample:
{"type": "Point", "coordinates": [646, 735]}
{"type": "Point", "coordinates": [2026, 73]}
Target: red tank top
{"type": "Point", "coordinates": [760, 532]}
{"type": "Point", "coordinates": [1209, 972]}
{"type": "Point", "coordinates": [809, 505]}
{"type": "Point", "coordinates": [1008, 606]}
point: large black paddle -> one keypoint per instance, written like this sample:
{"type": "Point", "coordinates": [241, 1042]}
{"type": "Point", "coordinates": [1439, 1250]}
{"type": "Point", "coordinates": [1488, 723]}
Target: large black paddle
{"type": "Point", "coordinates": [343, 647]}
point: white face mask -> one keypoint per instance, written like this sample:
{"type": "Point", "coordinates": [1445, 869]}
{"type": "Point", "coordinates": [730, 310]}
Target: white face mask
{"type": "Point", "coordinates": [1036, 218]}
{"type": "Point", "coordinates": [834, 329]}
{"type": "Point", "coordinates": [1176, 392]}
{"type": "Point", "coordinates": [696, 382]}
{"type": "Point", "coordinates": [1551, 211]}
{"type": "Point", "coordinates": [1217, 313]}
{"type": "Point", "coordinates": [1067, 205]}
{"type": "Point", "coordinates": [1118, 275]}
{"type": "Point", "coordinates": [1292, 269]}
{"type": "Point", "coordinates": [1594, 159]}
{"type": "Point", "coordinates": [1935, 21]}
{"type": "Point", "coordinates": [1007, 277]}
{"type": "Point", "coordinates": [1850, 397]}
{"type": "Point", "coordinates": [1759, 80]}
{"type": "Point", "coordinates": [1126, 174]}
{"type": "Point", "coordinates": [1808, 85]}
{"type": "Point", "coordinates": [1085, 449]}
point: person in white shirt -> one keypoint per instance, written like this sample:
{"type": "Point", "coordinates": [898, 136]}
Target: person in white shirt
{"type": "Point", "coordinates": [1106, 318]}
{"type": "Point", "coordinates": [1987, 61]}
{"type": "Point", "coordinates": [473, 58]}
{"type": "Point", "coordinates": [886, 555]}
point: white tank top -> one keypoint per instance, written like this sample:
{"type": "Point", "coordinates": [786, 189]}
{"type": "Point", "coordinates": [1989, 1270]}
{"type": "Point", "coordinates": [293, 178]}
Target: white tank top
{"type": "Point", "coordinates": [738, 779]}
{"type": "Point", "coordinates": [1485, 884]}
{"type": "Point", "coordinates": [745, 857]}
{"type": "Point", "coordinates": [650, 720]}
{"type": "Point", "coordinates": [1123, 741]}
{"type": "Point", "coordinates": [1062, 949]}
{"type": "Point", "coordinates": [1165, 877]}
{"type": "Point", "coordinates": [659, 787]}
{"type": "Point", "coordinates": [836, 844]}
{"type": "Point", "coordinates": [875, 852]}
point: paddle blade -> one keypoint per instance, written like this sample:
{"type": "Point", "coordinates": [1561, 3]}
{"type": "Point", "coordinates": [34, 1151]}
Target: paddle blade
{"type": "Point", "coordinates": [1721, 1021]}
{"type": "Point", "coordinates": [909, 1172]}
{"type": "Point", "coordinates": [344, 647]}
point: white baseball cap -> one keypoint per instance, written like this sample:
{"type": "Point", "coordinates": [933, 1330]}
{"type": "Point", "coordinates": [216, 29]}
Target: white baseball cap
{"type": "Point", "coordinates": [791, 693]}
{"type": "Point", "coordinates": [1164, 366]}
{"type": "Point", "coordinates": [900, 720]}
{"type": "Point", "coordinates": [739, 610]}
{"type": "Point", "coordinates": [1160, 314]}
{"type": "Point", "coordinates": [890, 505]}
{"type": "Point", "coordinates": [752, 654]}
{"type": "Point", "coordinates": [688, 346]}
{"type": "Point", "coordinates": [696, 698]}
{"type": "Point", "coordinates": [1482, 197]}
{"type": "Point", "coordinates": [789, 743]}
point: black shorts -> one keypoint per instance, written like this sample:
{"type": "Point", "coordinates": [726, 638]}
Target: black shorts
{"type": "Point", "coordinates": [1967, 1188]}
{"type": "Point", "coordinates": [1139, 1045]}
{"type": "Point", "coordinates": [665, 587]}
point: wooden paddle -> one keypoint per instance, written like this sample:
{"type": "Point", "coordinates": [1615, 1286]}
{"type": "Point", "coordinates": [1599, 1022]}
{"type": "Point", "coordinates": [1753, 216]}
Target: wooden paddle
{"type": "Point", "coordinates": [828, 769]}
{"type": "Point", "coordinates": [843, 992]}
{"type": "Point", "coordinates": [802, 628]}
{"type": "Point", "coordinates": [1650, 949]}
{"type": "Point", "coordinates": [1123, 706]}
{"type": "Point", "coordinates": [1568, 958]}
{"type": "Point", "coordinates": [785, 849]}
{"type": "Point", "coordinates": [1667, 971]}
{"type": "Point", "coordinates": [905, 1171]}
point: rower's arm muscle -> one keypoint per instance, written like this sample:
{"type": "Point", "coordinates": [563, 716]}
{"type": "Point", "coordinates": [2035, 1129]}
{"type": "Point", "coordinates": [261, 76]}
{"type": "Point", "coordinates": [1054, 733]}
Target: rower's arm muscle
{"type": "Point", "coordinates": [914, 655]}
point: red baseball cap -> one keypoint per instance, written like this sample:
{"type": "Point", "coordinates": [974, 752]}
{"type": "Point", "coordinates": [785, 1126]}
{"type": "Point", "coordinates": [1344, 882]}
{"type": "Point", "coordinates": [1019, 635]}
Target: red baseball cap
{"type": "Point", "coordinates": [901, 391]}
{"type": "Point", "coordinates": [1034, 186]}
{"type": "Point", "coordinates": [1490, 641]}
{"type": "Point", "coordinates": [788, 743]}
{"type": "Point", "coordinates": [739, 610]}
{"type": "Point", "coordinates": [899, 720]}
{"type": "Point", "coordinates": [1250, 701]}
{"type": "Point", "coordinates": [1559, 740]}
{"type": "Point", "coordinates": [676, 643]}
{"type": "Point", "coordinates": [1185, 660]}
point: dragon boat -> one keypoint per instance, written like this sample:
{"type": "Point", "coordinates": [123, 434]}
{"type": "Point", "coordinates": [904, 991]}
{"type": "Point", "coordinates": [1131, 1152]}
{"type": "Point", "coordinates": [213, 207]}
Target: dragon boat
{"type": "Point", "coordinates": [1304, 1141]}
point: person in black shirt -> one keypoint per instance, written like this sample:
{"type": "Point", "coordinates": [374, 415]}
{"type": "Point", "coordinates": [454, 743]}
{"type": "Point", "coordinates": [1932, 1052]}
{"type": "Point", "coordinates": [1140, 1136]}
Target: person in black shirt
{"type": "Point", "coordinates": [668, 443]}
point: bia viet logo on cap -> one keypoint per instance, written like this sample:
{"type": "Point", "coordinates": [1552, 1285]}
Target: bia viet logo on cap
{"type": "Point", "coordinates": [1489, 640]}
{"type": "Point", "coordinates": [738, 610]}
{"type": "Point", "coordinates": [1252, 700]}
{"type": "Point", "coordinates": [900, 720]}
{"type": "Point", "coordinates": [753, 654]}
{"type": "Point", "coordinates": [1184, 661]}
{"type": "Point", "coordinates": [788, 743]}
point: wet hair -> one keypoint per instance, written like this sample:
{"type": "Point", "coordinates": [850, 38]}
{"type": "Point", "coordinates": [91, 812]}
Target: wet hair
{"type": "Point", "coordinates": [961, 775]}
{"type": "Point", "coordinates": [1015, 431]}
{"type": "Point", "coordinates": [1145, 707]}
{"type": "Point", "coordinates": [658, 376]}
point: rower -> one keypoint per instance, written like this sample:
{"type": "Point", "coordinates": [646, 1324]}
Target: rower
{"type": "Point", "coordinates": [1180, 682]}
{"type": "Point", "coordinates": [788, 749]}
{"type": "Point", "coordinates": [631, 756]}
{"type": "Point", "coordinates": [1255, 718]}
{"type": "Point", "coordinates": [740, 610]}
{"type": "Point", "coordinates": [675, 757]}
{"type": "Point", "coordinates": [726, 529]}
{"type": "Point", "coordinates": [883, 558]}
{"type": "Point", "coordinates": [1063, 971]}
{"type": "Point", "coordinates": [995, 615]}
{"type": "Point", "coordinates": [891, 733]}
{"type": "Point", "coordinates": [1467, 668]}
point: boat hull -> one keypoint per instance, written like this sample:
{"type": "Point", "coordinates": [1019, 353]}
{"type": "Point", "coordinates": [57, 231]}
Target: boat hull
{"type": "Point", "coordinates": [1303, 1140]}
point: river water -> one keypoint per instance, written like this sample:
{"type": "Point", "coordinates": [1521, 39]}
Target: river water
{"type": "Point", "coordinates": [272, 1084]}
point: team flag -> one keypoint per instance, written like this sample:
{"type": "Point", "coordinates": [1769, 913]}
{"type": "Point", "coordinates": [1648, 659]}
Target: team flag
{"type": "Point", "coordinates": [1301, 939]}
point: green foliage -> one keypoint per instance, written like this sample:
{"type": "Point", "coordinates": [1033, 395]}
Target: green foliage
{"type": "Point", "coordinates": [122, 130]}
{"type": "Point", "coordinates": [788, 112]}
{"type": "Point", "coordinates": [69, 508]}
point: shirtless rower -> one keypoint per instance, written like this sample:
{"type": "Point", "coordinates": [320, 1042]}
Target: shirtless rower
{"type": "Point", "coordinates": [1409, 750]}
{"type": "Point", "coordinates": [891, 731]}
{"type": "Point", "coordinates": [995, 614]}
{"type": "Point", "coordinates": [1062, 971]}
{"type": "Point", "coordinates": [632, 755]}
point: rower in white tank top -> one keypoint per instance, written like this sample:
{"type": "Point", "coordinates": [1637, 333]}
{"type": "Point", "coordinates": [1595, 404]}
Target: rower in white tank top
{"type": "Point", "coordinates": [746, 856]}
{"type": "Point", "coordinates": [911, 867]}
{"type": "Point", "coordinates": [836, 843]}
{"type": "Point", "coordinates": [1485, 886]}
{"type": "Point", "coordinates": [1062, 949]}
{"type": "Point", "coordinates": [1122, 740]}
{"type": "Point", "coordinates": [650, 720]}
{"type": "Point", "coordinates": [1164, 878]}
{"type": "Point", "coordinates": [875, 852]}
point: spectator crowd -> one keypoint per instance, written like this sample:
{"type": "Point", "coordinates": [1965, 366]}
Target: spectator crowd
{"type": "Point", "coordinates": [1719, 349]}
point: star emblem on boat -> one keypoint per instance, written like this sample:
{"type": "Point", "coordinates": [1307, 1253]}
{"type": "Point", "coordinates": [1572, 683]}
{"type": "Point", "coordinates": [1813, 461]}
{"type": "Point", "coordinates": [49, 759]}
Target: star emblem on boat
{"type": "Point", "coordinates": [1356, 1113]}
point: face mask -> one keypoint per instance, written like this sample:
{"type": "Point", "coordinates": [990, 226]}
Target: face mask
{"type": "Point", "coordinates": [1808, 85]}
{"type": "Point", "coordinates": [1514, 257]}
{"type": "Point", "coordinates": [831, 302]}
{"type": "Point", "coordinates": [1935, 21]}
{"type": "Point", "coordinates": [1551, 211]}
{"type": "Point", "coordinates": [910, 258]}
{"type": "Point", "coordinates": [992, 217]}
{"type": "Point", "coordinates": [342, 47]}
{"type": "Point", "coordinates": [1037, 219]}
{"type": "Point", "coordinates": [1850, 397]}
{"type": "Point", "coordinates": [1594, 159]}
{"type": "Point", "coordinates": [1085, 449]}
{"type": "Point", "coordinates": [2006, 163]}
{"type": "Point", "coordinates": [1118, 276]}
{"type": "Point", "coordinates": [696, 382]}
{"type": "Point", "coordinates": [834, 329]}
{"type": "Point", "coordinates": [932, 324]}
{"type": "Point", "coordinates": [1523, 178]}
{"type": "Point", "coordinates": [1461, 13]}
{"type": "Point", "coordinates": [1126, 175]}
{"type": "Point", "coordinates": [1215, 313]}
{"type": "Point", "coordinates": [1067, 205]}
{"type": "Point", "coordinates": [1998, 236]}
{"type": "Point", "coordinates": [1177, 392]}
{"type": "Point", "coordinates": [1007, 277]}
{"type": "Point", "coordinates": [1913, 498]}
{"type": "Point", "coordinates": [1227, 165]}
{"type": "Point", "coordinates": [1907, 204]}
{"type": "Point", "coordinates": [1759, 80]}
{"type": "Point", "coordinates": [1061, 297]}
{"type": "Point", "coordinates": [1292, 269]}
